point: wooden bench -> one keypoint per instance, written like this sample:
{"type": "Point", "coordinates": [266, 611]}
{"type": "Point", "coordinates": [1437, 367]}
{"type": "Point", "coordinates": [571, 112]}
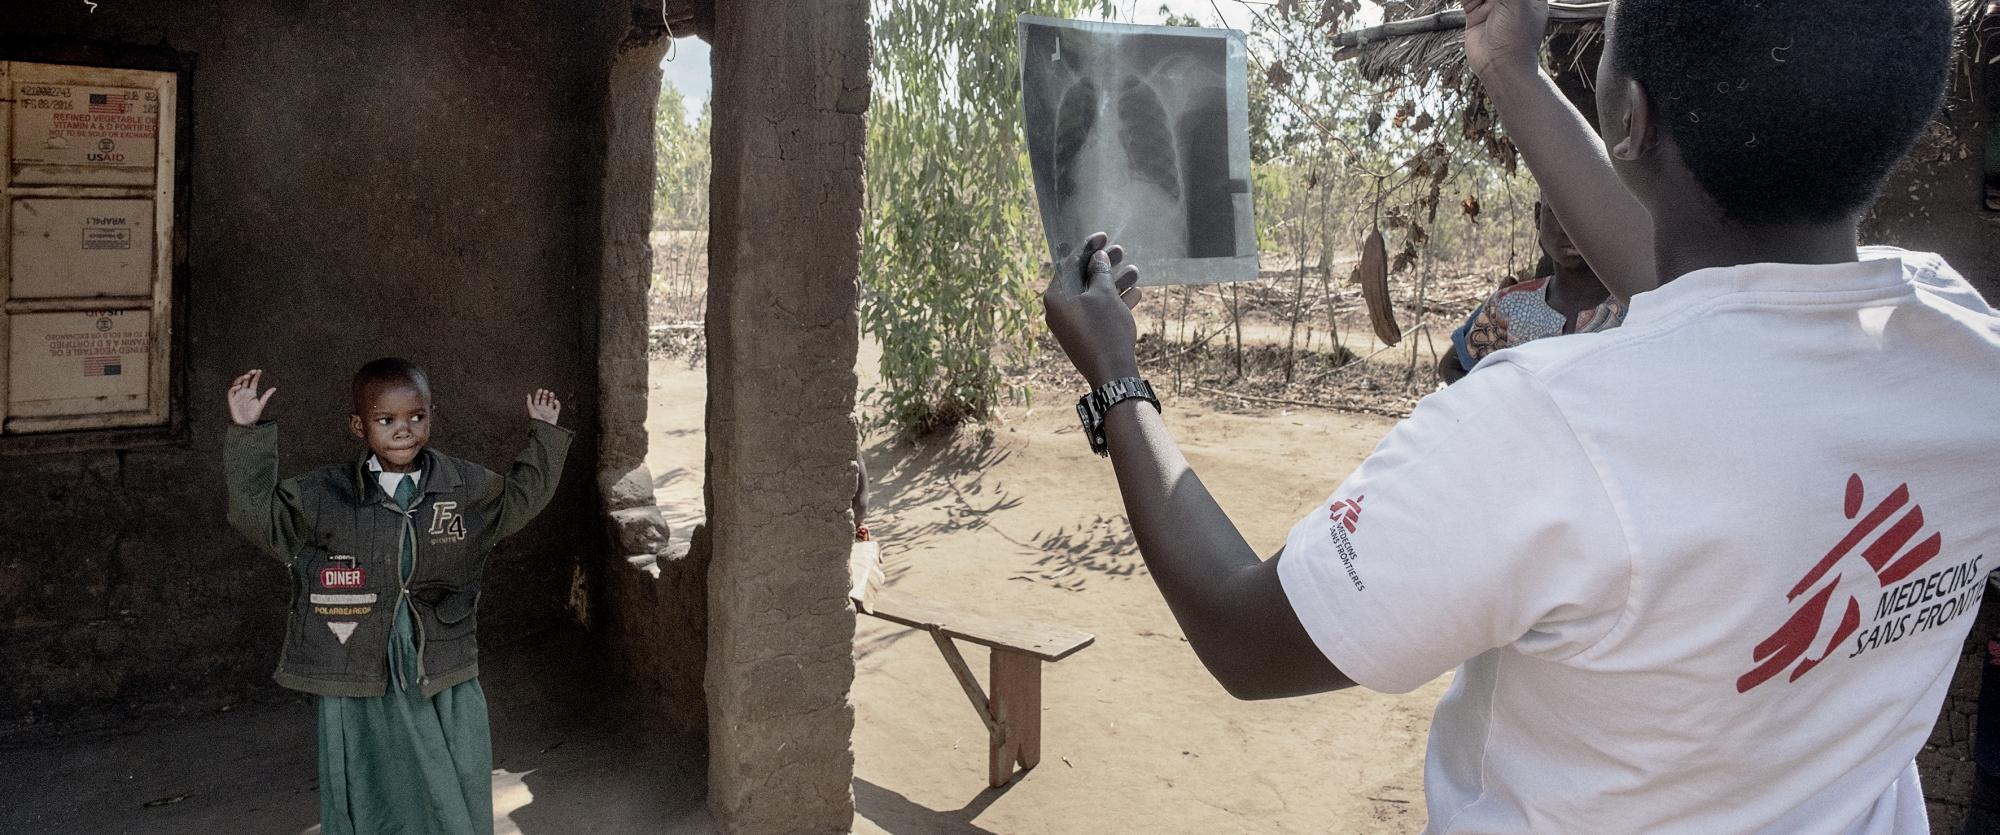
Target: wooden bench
{"type": "Point", "coordinates": [1012, 711]}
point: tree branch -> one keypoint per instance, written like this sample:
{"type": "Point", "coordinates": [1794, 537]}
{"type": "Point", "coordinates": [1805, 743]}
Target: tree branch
{"type": "Point", "coordinates": [1454, 19]}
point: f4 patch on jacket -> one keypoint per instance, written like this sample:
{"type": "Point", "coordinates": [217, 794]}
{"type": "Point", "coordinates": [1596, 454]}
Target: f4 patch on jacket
{"type": "Point", "coordinates": [447, 524]}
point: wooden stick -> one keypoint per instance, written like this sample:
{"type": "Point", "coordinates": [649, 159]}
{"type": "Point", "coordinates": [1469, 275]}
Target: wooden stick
{"type": "Point", "coordinates": [1454, 19]}
{"type": "Point", "coordinates": [1356, 363]}
{"type": "Point", "coordinates": [1309, 404]}
{"type": "Point", "coordinates": [994, 727]}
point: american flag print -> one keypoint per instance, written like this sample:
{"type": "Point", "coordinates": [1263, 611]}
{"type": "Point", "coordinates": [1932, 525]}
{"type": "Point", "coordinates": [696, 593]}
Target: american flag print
{"type": "Point", "coordinates": [110, 102]}
{"type": "Point", "coordinates": [102, 367]}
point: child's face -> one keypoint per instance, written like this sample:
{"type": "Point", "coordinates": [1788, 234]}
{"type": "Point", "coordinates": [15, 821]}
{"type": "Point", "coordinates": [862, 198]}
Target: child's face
{"type": "Point", "coordinates": [1556, 242]}
{"type": "Point", "coordinates": [395, 420]}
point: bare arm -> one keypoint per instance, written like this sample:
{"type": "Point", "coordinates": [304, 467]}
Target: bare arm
{"type": "Point", "coordinates": [1612, 230]}
{"type": "Point", "coordinates": [1230, 604]}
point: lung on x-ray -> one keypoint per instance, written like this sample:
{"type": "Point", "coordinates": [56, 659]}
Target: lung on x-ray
{"type": "Point", "coordinates": [1142, 132]}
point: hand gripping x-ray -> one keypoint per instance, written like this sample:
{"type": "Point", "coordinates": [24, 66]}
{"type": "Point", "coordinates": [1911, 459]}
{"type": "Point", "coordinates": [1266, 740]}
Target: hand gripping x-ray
{"type": "Point", "coordinates": [1142, 132]}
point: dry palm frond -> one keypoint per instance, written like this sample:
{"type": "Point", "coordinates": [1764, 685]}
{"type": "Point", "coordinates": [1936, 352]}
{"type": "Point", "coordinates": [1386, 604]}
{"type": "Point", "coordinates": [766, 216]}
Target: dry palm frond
{"type": "Point", "coordinates": [1373, 273]}
{"type": "Point", "coordinates": [1425, 38]}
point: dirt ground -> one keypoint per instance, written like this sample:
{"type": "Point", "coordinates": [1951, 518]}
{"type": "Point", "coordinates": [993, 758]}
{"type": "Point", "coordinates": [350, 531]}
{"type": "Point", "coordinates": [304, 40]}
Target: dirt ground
{"type": "Point", "coordinates": [569, 756]}
{"type": "Point", "coordinates": [1019, 521]}
{"type": "Point", "coordinates": [1136, 737]}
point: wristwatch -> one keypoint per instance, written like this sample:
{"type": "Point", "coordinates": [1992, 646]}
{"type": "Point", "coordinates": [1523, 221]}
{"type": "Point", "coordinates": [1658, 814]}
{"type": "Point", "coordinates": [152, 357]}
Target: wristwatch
{"type": "Point", "coordinates": [1092, 407]}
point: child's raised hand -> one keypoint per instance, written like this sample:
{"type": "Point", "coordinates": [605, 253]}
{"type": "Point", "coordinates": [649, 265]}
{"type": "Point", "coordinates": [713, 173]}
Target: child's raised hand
{"type": "Point", "coordinates": [245, 407]}
{"type": "Point", "coordinates": [543, 406]}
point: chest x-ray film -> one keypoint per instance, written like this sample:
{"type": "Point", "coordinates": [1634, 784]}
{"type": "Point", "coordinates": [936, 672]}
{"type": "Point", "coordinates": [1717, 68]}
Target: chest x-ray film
{"type": "Point", "coordinates": [1142, 132]}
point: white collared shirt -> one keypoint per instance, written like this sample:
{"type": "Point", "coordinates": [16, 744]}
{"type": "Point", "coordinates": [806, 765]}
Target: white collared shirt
{"type": "Point", "coordinates": [389, 480]}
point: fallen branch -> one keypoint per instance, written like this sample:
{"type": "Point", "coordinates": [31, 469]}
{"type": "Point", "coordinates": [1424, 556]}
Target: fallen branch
{"type": "Point", "coordinates": [1196, 345]}
{"type": "Point", "coordinates": [1360, 363]}
{"type": "Point", "coordinates": [1451, 20]}
{"type": "Point", "coordinates": [1308, 404]}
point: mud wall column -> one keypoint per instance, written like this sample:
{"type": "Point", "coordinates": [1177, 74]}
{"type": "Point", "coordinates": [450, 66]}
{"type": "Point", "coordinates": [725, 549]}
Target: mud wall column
{"type": "Point", "coordinates": [627, 262]}
{"type": "Point", "coordinates": [646, 603]}
{"type": "Point", "coordinates": [791, 87]}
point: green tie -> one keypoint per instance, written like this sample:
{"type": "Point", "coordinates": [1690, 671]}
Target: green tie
{"type": "Point", "coordinates": [406, 491]}
{"type": "Point", "coordinates": [402, 667]}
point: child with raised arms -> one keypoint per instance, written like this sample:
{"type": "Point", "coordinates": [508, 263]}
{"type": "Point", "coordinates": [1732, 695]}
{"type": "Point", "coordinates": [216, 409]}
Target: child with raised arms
{"type": "Point", "coordinates": [385, 554]}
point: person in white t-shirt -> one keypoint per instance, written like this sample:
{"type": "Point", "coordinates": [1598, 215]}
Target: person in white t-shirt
{"type": "Point", "coordinates": [1723, 584]}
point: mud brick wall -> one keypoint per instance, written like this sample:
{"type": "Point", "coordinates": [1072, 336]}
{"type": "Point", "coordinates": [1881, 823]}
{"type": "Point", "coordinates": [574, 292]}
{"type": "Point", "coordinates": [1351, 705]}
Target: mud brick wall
{"type": "Point", "coordinates": [791, 85]}
{"type": "Point", "coordinates": [362, 179]}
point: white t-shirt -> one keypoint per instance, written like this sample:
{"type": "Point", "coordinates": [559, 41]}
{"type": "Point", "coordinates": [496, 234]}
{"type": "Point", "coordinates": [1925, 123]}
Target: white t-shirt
{"type": "Point", "coordinates": [1708, 572]}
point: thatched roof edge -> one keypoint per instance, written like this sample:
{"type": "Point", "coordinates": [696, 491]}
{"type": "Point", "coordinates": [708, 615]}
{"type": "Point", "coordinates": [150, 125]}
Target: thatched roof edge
{"type": "Point", "coordinates": [1442, 54]}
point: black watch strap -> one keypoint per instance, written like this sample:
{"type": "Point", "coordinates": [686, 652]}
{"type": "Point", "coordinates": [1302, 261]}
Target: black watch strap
{"type": "Point", "coordinates": [1092, 408]}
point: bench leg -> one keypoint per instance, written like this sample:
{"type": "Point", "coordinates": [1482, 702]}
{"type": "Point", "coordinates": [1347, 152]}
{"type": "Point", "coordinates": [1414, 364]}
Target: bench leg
{"type": "Point", "coordinates": [1016, 706]}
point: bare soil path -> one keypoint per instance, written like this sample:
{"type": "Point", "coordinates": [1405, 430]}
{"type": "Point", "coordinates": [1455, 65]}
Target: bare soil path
{"type": "Point", "coordinates": [1136, 737]}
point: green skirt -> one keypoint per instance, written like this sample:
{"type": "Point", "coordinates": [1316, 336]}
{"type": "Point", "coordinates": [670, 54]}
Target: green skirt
{"type": "Point", "coordinates": [401, 764]}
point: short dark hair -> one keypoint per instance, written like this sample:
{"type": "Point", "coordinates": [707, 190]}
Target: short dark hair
{"type": "Point", "coordinates": [1788, 111]}
{"type": "Point", "coordinates": [389, 370]}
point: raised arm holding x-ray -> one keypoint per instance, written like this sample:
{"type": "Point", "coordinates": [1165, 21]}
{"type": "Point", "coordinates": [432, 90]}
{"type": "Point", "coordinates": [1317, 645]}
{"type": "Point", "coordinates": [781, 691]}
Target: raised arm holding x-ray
{"type": "Point", "coordinates": [1615, 234]}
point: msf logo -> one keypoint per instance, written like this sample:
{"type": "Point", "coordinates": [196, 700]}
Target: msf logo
{"type": "Point", "coordinates": [447, 524]}
{"type": "Point", "coordinates": [1889, 558]}
{"type": "Point", "coordinates": [1348, 512]}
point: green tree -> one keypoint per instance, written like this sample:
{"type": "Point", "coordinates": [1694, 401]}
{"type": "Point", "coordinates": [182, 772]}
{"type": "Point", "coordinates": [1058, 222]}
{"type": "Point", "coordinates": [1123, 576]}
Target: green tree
{"type": "Point", "coordinates": [952, 249]}
{"type": "Point", "coordinates": [681, 164]}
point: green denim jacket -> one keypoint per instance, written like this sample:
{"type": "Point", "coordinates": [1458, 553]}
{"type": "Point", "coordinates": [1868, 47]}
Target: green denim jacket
{"type": "Point", "coordinates": [339, 535]}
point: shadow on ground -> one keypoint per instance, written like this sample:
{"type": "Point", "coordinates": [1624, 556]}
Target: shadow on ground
{"type": "Point", "coordinates": [899, 815]}
{"type": "Point", "coordinates": [571, 754]}
{"type": "Point", "coordinates": [940, 472]}
{"type": "Point", "coordinates": [1099, 547]}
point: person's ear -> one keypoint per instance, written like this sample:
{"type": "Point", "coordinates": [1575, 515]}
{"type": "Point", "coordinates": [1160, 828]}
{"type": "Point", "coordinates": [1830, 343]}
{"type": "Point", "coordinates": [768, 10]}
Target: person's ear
{"type": "Point", "coordinates": [354, 426]}
{"type": "Point", "coordinates": [1641, 133]}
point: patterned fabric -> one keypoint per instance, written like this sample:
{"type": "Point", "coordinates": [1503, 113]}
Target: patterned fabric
{"type": "Point", "coordinates": [399, 762]}
{"type": "Point", "coordinates": [1519, 314]}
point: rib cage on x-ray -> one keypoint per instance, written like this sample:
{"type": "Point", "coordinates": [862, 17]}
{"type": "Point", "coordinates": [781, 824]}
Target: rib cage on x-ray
{"type": "Point", "coordinates": [1131, 132]}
